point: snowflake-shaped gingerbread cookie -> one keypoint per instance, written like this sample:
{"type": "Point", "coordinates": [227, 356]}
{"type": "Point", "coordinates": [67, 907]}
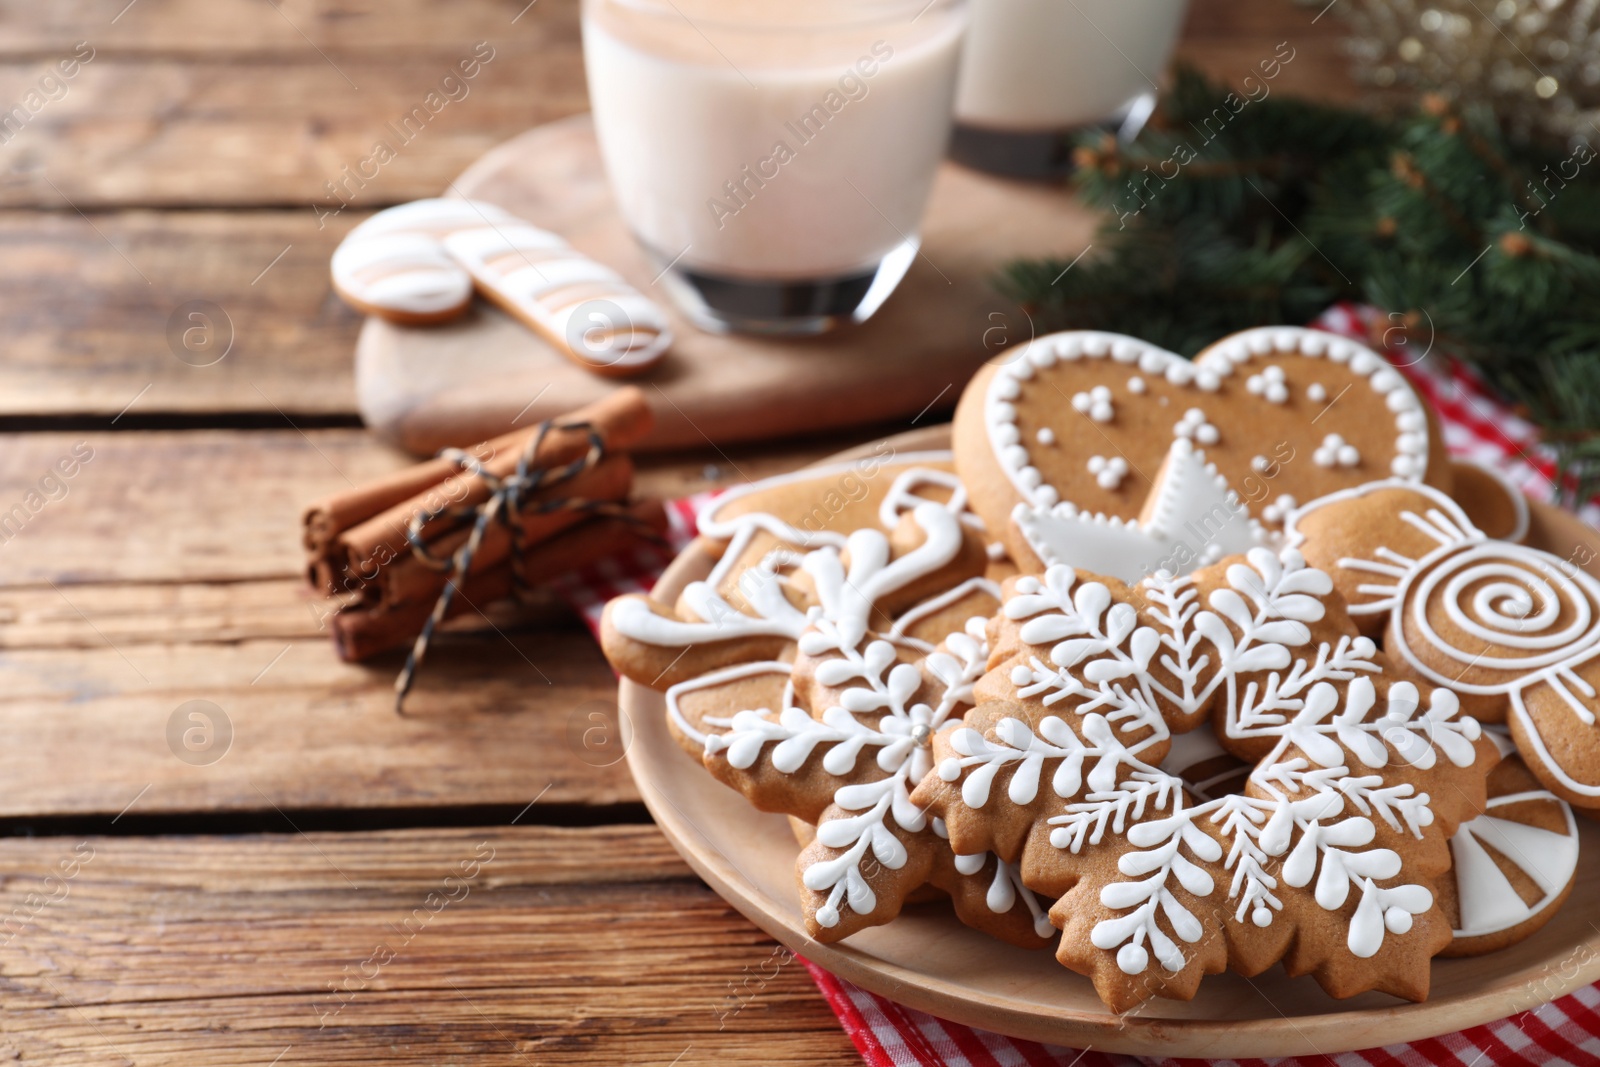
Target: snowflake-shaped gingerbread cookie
{"type": "Point", "coordinates": [1327, 858]}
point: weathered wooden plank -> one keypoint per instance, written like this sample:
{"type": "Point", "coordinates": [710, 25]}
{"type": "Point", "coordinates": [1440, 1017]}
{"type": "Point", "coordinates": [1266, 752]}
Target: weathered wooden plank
{"type": "Point", "coordinates": [494, 945]}
{"type": "Point", "coordinates": [276, 131]}
{"type": "Point", "coordinates": [168, 572]}
{"type": "Point", "coordinates": [97, 314]}
{"type": "Point", "coordinates": [224, 506]}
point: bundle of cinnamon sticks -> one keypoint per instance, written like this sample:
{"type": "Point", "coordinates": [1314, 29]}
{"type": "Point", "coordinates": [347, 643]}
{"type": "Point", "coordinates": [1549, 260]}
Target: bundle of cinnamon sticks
{"type": "Point", "coordinates": [363, 544]}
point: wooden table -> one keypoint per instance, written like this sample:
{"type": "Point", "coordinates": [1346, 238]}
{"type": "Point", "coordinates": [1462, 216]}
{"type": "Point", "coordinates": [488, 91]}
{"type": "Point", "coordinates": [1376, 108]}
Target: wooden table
{"type": "Point", "coordinates": [318, 879]}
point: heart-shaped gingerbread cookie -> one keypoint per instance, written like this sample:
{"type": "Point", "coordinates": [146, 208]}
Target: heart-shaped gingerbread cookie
{"type": "Point", "coordinates": [1107, 453]}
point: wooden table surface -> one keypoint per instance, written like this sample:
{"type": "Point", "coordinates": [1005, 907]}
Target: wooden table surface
{"type": "Point", "coordinates": [326, 881]}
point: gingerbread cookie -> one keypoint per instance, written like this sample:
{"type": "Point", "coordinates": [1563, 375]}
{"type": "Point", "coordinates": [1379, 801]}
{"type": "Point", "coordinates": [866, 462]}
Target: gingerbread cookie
{"type": "Point", "coordinates": [1494, 505]}
{"type": "Point", "coordinates": [1514, 631]}
{"type": "Point", "coordinates": [394, 264]}
{"type": "Point", "coordinates": [1326, 860]}
{"type": "Point", "coordinates": [1063, 445]}
{"type": "Point", "coordinates": [1514, 865]}
{"type": "Point", "coordinates": [811, 669]}
{"type": "Point", "coordinates": [416, 265]}
{"type": "Point", "coordinates": [585, 310]}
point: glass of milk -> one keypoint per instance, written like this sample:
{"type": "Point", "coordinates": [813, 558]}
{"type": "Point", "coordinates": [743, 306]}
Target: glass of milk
{"type": "Point", "coordinates": [774, 157]}
{"type": "Point", "coordinates": [1035, 72]}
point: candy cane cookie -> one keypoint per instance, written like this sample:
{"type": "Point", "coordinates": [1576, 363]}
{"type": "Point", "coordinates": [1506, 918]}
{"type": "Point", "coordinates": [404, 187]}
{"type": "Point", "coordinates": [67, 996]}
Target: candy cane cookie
{"type": "Point", "coordinates": [394, 264]}
{"type": "Point", "coordinates": [418, 264]}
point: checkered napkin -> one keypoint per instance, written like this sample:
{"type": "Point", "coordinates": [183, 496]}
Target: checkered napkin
{"type": "Point", "coordinates": [1562, 1033]}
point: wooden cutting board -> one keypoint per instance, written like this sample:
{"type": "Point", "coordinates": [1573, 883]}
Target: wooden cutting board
{"type": "Point", "coordinates": [427, 388]}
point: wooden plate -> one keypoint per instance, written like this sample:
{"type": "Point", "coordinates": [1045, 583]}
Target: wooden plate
{"type": "Point", "coordinates": [928, 960]}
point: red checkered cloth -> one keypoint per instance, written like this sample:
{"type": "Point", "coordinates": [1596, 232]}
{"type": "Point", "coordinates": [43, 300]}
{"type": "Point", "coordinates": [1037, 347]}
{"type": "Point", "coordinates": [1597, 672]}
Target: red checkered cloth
{"type": "Point", "coordinates": [1563, 1033]}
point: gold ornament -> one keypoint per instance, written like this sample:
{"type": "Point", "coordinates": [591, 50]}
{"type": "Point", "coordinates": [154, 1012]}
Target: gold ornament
{"type": "Point", "coordinates": [1536, 63]}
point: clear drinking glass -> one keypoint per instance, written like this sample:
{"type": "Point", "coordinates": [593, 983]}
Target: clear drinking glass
{"type": "Point", "coordinates": [774, 156]}
{"type": "Point", "coordinates": [1035, 72]}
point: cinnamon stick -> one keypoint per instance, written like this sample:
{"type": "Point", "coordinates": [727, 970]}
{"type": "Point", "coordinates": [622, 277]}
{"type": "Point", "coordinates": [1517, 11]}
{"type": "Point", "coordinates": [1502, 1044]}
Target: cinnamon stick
{"type": "Point", "coordinates": [403, 576]}
{"type": "Point", "coordinates": [347, 535]}
{"type": "Point", "coordinates": [368, 629]}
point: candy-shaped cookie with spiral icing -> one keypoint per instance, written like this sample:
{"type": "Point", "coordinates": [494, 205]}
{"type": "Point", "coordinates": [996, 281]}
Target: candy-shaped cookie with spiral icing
{"type": "Point", "coordinates": [1512, 630]}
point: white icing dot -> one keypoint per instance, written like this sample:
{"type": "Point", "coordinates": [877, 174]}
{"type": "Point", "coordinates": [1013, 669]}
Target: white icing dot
{"type": "Point", "coordinates": [1136, 385]}
{"type": "Point", "coordinates": [1194, 426]}
{"type": "Point", "coordinates": [1126, 351]}
{"type": "Point", "coordinates": [828, 916]}
{"type": "Point", "coordinates": [1096, 403]}
{"type": "Point", "coordinates": [1108, 473]}
{"type": "Point", "coordinates": [1042, 356]}
{"type": "Point", "coordinates": [1260, 464]}
{"type": "Point", "coordinates": [1269, 385]}
{"type": "Point", "coordinates": [1178, 373]}
{"type": "Point", "coordinates": [1133, 959]}
{"type": "Point", "coordinates": [1317, 392]}
{"type": "Point", "coordinates": [1151, 362]}
{"type": "Point", "coordinates": [1398, 920]}
{"type": "Point", "coordinates": [1261, 916]}
{"type": "Point", "coordinates": [1336, 452]}
{"type": "Point", "coordinates": [1045, 436]}
{"type": "Point", "coordinates": [1277, 511]}
{"type": "Point", "coordinates": [1007, 388]}
{"type": "Point", "coordinates": [1046, 496]}
{"type": "Point", "coordinates": [1207, 380]}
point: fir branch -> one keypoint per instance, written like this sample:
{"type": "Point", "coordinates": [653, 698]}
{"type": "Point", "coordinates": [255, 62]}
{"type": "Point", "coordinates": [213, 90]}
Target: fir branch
{"type": "Point", "coordinates": [1227, 213]}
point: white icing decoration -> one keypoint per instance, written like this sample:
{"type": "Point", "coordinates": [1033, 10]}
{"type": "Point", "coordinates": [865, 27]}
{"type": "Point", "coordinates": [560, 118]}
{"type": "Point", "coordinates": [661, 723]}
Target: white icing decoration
{"type": "Point", "coordinates": [1096, 403]}
{"type": "Point", "coordinates": [1194, 426]}
{"type": "Point", "coordinates": [1279, 510]}
{"type": "Point", "coordinates": [1208, 373]}
{"type": "Point", "coordinates": [1269, 385]}
{"type": "Point", "coordinates": [1192, 508]}
{"type": "Point", "coordinates": [1335, 452]}
{"type": "Point", "coordinates": [396, 260]}
{"type": "Point", "coordinates": [548, 283]}
{"type": "Point", "coordinates": [903, 497]}
{"type": "Point", "coordinates": [1517, 597]}
{"type": "Point", "coordinates": [1488, 901]}
{"type": "Point", "coordinates": [1108, 473]}
{"type": "Point", "coordinates": [935, 604]}
{"type": "Point", "coordinates": [1046, 436]}
{"type": "Point", "coordinates": [1098, 673]}
{"type": "Point", "coordinates": [1136, 385]}
{"type": "Point", "coordinates": [1316, 392]}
